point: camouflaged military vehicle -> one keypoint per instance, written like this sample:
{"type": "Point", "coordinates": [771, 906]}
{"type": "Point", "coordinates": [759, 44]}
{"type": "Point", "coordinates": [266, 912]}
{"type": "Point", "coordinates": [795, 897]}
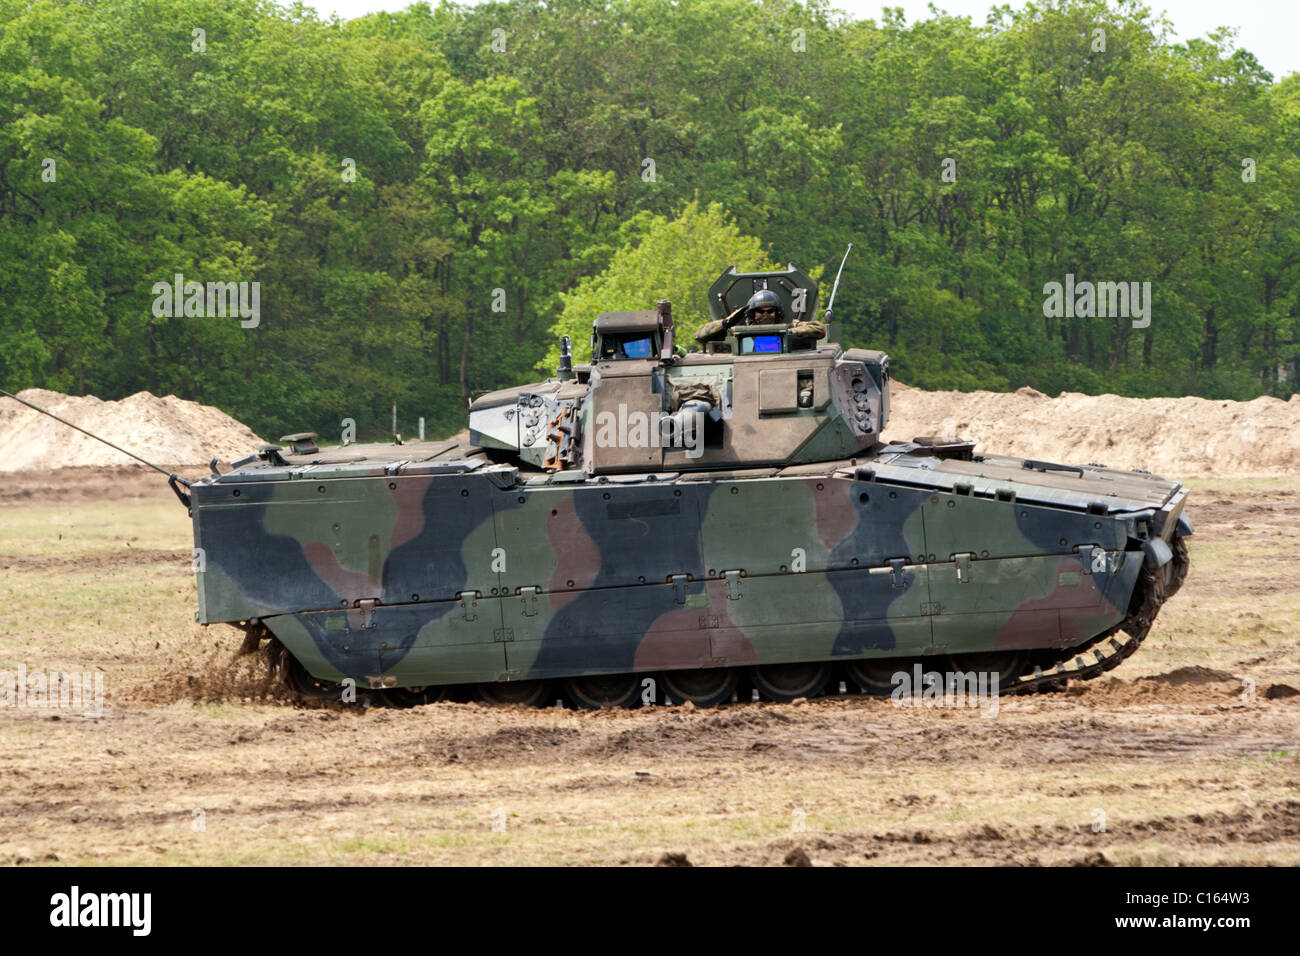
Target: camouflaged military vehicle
{"type": "Point", "coordinates": [678, 527]}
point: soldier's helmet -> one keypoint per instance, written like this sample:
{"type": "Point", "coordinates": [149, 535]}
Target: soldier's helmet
{"type": "Point", "coordinates": [764, 308]}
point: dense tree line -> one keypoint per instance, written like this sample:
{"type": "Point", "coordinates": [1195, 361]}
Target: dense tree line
{"type": "Point", "coordinates": [427, 198]}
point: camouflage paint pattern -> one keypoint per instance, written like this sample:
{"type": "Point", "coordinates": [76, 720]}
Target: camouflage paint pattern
{"type": "Point", "coordinates": [486, 575]}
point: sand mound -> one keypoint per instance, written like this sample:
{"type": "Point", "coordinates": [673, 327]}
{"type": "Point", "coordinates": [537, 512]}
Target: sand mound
{"type": "Point", "coordinates": [166, 431]}
{"type": "Point", "coordinates": [1175, 437]}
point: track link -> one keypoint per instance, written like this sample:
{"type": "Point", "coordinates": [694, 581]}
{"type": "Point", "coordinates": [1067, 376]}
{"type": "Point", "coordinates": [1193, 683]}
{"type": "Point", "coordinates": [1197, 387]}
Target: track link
{"type": "Point", "coordinates": [1154, 587]}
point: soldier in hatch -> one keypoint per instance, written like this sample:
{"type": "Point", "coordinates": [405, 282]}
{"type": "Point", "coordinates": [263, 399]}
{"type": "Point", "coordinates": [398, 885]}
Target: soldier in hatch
{"type": "Point", "coordinates": [763, 308]}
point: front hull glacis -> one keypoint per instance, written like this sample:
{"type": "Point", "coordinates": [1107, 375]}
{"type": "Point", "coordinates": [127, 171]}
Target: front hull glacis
{"type": "Point", "coordinates": [442, 568]}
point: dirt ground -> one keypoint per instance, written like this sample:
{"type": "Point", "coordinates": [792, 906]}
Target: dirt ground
{"type": "Point", "coordinates": [1186, 755]}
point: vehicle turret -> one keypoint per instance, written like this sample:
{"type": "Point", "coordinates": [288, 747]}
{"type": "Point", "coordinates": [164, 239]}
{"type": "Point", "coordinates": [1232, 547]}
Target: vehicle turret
{"type": "Point", "coordinates": [762, 396]}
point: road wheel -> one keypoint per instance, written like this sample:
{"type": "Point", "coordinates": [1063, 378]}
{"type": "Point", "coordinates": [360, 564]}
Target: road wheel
{"type": "Point", "coordinates": [415, 696]}
{"type": "Point", "coordinates": [532, 693]}
{"type": "Point", "coordinates": [706, 687]}
{"type": "Point", "coordinates": [875, 676]}
{"type": "Point", "coordinates": [600, 691]}
{"type": "Point", "coordinates": [1008, 665]}
{"type": "Point", "coordinates": [786, 682]}
{"type": "Point", "coordinates": [296, 676]}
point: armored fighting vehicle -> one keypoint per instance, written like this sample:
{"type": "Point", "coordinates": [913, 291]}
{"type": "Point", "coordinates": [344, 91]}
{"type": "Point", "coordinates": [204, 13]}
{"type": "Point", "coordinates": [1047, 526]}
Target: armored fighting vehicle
{"type": "Point", "coordinates": [671, 526]}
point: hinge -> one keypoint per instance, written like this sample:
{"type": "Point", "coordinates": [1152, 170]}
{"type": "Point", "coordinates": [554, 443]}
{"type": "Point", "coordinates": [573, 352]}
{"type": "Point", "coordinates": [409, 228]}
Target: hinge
{"type": "Point", "coordinates": [733, 584]}
{"type": "Point", "coordinates": [503, 635]}
{"type": "Point", "coordinates": [963, 566]}
{"type": "Point", "coordinates": [468, 601]}
{"type": "Point", "coordinates": [366, 618]}
{"type": "Point", "coordinates": [529, 594]}
{"type": "Point", "coordinates": [896, 572]}
{"type": "Point", "coordinates": [678, 582]}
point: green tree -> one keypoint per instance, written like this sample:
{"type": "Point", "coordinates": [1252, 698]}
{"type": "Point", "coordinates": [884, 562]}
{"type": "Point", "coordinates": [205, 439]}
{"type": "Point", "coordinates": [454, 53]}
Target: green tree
{"type": "Point", "coordinates": [676, 259]}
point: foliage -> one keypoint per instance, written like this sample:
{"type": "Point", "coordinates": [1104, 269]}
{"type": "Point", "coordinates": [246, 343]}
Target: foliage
{"type": "Point", "coordinates": [676, 260]}
{"type": "Point", "coordinates": [427, 203]}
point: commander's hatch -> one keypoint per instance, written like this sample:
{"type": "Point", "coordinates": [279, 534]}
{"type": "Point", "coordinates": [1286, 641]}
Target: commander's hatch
{"type": "Point", "coordinates": [796, 289]}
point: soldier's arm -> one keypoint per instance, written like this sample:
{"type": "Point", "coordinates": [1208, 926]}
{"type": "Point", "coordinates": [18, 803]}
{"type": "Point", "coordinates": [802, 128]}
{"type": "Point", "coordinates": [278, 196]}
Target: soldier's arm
{"type": "Point", "coordinates": [808, 330]}
{"type": "Point", "coordinates": [716, 329]}
{"type": "Point", "coordinates": [710, 331]}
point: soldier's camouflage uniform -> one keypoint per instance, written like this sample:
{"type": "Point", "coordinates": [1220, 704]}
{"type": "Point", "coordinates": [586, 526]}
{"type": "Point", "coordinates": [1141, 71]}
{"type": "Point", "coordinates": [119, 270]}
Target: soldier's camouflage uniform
{"type": "Point", "coordinates": [717, 329]}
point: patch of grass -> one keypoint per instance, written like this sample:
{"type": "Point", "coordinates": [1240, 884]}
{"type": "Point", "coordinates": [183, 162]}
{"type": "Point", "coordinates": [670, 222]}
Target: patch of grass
{"type": "Point", "coordinates": [66, 604]}
{"type": "Point", "coordinates": [92, 528]}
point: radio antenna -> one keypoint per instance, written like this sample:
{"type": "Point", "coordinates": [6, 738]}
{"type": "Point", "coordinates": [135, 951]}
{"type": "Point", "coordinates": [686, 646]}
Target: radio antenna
{"type": "Point", "coordinates": [836, 287]}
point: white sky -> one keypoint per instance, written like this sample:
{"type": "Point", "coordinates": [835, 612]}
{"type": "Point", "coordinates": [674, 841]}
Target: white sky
{"type": "Point", "coordinates": [1268, 28]}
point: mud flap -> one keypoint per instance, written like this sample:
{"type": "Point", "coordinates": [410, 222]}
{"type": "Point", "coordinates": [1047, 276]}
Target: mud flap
{"type": "Point", "coordinates": [1158, 553]}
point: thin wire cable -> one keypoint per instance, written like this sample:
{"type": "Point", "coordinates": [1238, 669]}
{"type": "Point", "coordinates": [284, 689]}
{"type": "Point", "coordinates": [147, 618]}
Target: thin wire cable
{"type": "Point", "coordinates": [23, 401]}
